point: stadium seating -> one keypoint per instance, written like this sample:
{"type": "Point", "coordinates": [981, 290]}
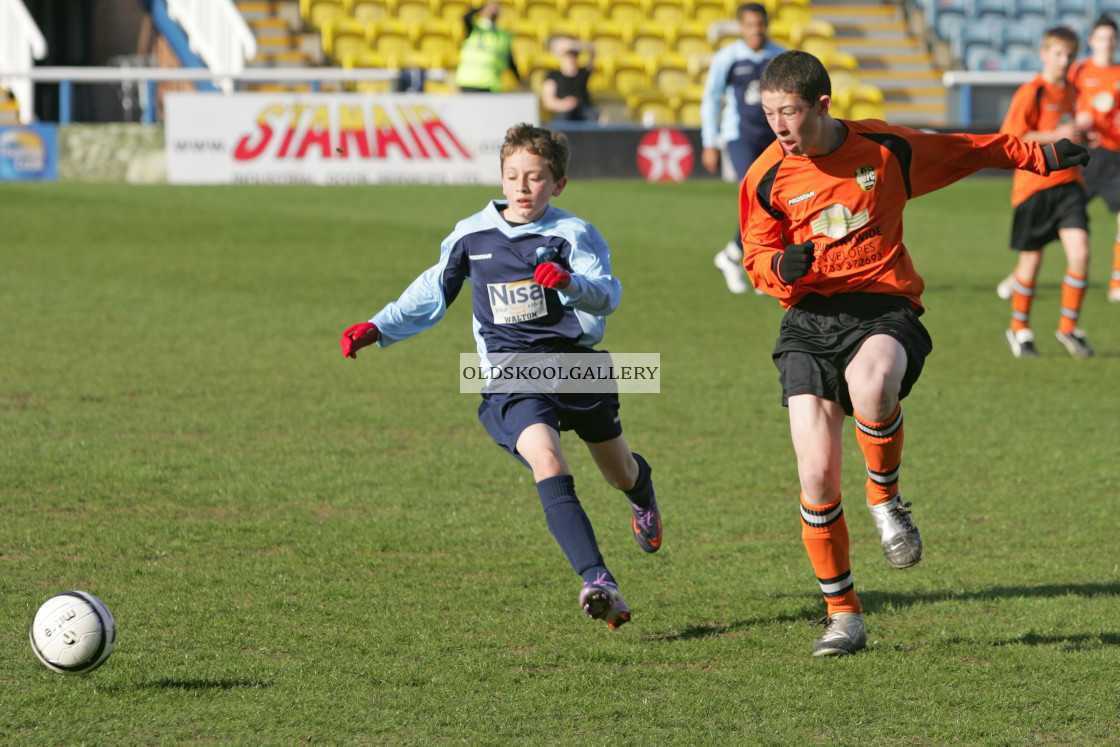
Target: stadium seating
{"type": "Point", "coordinates": [651, 55]}
{"type": "Point", "coordinates": [365, 11]}
{"type": "Point", "coordinates": [367, 59]}
{"type": "Point", "coordinates": [862, 102]}
{"type": "Point", "coordinates": [343, 36]}
{"type": "Point", "coordinates": [647, 38]}
{"type": "Point", "coordinates": [317, 12]}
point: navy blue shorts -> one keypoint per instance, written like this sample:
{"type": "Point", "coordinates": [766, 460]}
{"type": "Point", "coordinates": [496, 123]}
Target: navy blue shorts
{"type": "Point", "coordinates": [593, 417]}
{"type": "Point", "coordinates": [820, 336]}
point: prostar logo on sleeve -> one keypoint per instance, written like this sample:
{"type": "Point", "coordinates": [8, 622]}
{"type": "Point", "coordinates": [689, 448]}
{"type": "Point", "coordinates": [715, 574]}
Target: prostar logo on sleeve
{"type": "Point", "coordinates": [836, 221]}
{"type": "Point", "coordinates": [516, 302]}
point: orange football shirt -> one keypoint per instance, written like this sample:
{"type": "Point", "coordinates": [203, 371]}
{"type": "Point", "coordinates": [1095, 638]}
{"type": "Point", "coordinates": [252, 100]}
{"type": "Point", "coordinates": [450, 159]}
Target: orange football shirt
{"type": "Point", "coordinates": [849, 203]}
{"type": "Point", "coordinates": [1039, 106]}
{"type": "Point", "coordinates": [1098, 92]}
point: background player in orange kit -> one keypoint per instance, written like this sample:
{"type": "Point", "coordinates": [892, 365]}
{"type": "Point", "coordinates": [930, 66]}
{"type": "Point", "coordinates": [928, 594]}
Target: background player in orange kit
{"type": "Point", "coordinates": [821, 216]}
{"type": "Point", "coordinates": [1097, 79]}
{"type": "Point", "coordinates": [1049, 206]}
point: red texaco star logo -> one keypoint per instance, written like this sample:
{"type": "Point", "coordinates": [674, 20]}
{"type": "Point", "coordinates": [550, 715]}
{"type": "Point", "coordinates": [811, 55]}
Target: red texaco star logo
{"type": "Point", "coordinates": [665, 155]}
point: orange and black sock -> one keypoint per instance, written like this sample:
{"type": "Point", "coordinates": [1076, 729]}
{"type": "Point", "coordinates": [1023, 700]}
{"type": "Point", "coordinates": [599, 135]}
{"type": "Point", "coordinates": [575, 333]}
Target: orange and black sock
{"type": "Point", "coordinates": [1022, 296]}
{"type": "Point", "coordinates": [1073, 290]}
{"type": "Point", "coordinates": [881, 444]}
{"type": "Point", "coordinates": [825, 536]}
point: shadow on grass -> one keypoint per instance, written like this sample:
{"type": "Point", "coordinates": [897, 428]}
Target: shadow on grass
{"type": "Point", "coordinates": [172, 683]}
{"type": "Point", "coordinates": [878, 601]}
{"type": "Point", "coordinates": [874, 601]}
{"type": "Point", "coordinates": [715, 629]}
{"type": "Point", "coordinates": [1069, 642]}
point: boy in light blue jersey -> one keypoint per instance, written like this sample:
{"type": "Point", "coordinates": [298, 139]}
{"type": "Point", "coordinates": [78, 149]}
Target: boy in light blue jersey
{"type": "Point", "coordinates": [731, 109]}
{"type": "Point", "coordinates": [542, 283]}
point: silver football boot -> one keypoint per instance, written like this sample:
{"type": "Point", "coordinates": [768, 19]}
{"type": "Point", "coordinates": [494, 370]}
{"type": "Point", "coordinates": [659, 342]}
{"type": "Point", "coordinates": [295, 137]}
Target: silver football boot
{"type": "Point", "coordinates": [844, 633]}
{"type": "Point", "coordinates": [902, 544]}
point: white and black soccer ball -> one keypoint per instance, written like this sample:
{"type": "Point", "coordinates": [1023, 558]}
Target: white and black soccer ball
{"type": "Point", "coordinates": [73, 633]}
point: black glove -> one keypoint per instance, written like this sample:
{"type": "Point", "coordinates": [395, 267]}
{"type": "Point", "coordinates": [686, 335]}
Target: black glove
{"type": "Point", "coordinates": [794, 262]}
{"type": "Point", "coordinates": [1065, 154]}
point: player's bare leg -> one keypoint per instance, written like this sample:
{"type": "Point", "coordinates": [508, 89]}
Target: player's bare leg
{"type": "Point", "coordinates": [629, 472]}
{"type": "Point", "coordinates": [816, 427]}
{"type": "Point", "coordinates": [874, 380]}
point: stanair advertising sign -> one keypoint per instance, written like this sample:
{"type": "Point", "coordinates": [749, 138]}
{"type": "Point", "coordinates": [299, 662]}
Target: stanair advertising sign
{"type": "Point", "coordinates": [267, 138]}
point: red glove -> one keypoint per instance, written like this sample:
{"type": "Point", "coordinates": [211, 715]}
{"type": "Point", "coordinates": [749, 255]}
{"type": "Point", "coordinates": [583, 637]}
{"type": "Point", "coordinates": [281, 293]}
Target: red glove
{"type": "Point", "coordinates": [552, 275]}
{"type": "Point", "coordinates": [357, 336]}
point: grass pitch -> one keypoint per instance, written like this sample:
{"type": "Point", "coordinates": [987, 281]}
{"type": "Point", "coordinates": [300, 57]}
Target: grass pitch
{"type": "Point", "coordinates": [300, 548]}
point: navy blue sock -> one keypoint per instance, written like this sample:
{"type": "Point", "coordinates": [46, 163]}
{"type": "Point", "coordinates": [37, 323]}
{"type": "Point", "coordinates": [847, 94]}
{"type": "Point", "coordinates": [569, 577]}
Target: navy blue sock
{"type": "Point", "coordinates": [641, 495]}
{"type": "Point", "coordinates": [570, 526]}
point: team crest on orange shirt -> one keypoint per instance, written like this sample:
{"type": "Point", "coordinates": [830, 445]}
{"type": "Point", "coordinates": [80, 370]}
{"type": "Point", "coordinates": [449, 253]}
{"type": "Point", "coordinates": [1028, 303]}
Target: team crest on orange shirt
{"type": "Point", "coordinates": [865, 178]}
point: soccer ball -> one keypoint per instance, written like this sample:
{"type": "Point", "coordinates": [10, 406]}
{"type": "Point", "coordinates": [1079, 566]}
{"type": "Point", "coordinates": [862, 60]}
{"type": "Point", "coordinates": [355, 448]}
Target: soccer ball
{"type": "Point", "coordinates": [73, 633]}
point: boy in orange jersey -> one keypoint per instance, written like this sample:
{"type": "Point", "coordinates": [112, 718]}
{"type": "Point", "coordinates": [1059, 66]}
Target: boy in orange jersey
{"type": "Point", "coordinates": [1097, 79]}
{"type": "Point", "coordinates": [821, 216]}
{"type": "Point", "coordinates": [1050, 206]}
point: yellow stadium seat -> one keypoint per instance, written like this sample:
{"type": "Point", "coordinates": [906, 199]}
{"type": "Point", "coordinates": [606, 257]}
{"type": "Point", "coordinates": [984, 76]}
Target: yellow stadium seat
{"type": "Point", "coordinates": [862, 101]}
{"type": "Point", "coordinates": [526, 38]}
{"type": "Point", "coordinates": [411, 11]}
{"type": "Point", "coordinates": [623, 11]}
{"type": "Point", "coordinates": [581, 11]}
{"type": "Point", "coordinates": [437, 37]}
{"type": "Point", "coordinates": [843, 69]}
{"type": "Point", "coordinates": [818, 38]}
{"type": "Point", "coordinates": [795, 15]}
{"type": "Point", "coordinates": [317, 12]}
{"type": "Point", "coordinates": [538, 11]}
{"type": "Point", "coordinates": [689, 38]}
{"type": "Point", "coordinates": [780, 31]}
{"type": "Point", "coordinates": [598, 81]}
{"type": "Point", "coordinates": [564, 27]}
{"type": "Point", "coordinates": [453, 10]}
{"type": "Point", "coordinates": [647, 38]}
{"type": "Point", "coordinates": [722, 33]}
{"type": "Point", "coordinates": [706, 11]}
{"type": "Point", "coordinates": [687, 105]}
{"type": "Point", "coordinates": [698, 65]}
{"type": "Point", "coordinates": [651, 108]}
{"type": "Point", "coordinates": [536, 69]}
{"type": "Point", "coordinates": [343, 36]}
{"type": "Point", "coordinates": [666, 11]}
{"type": "Point", "coordinates": [627, 73]}
{"type": "Point", "coordinates": [368, 59]}
{"type": "Point", "coordinates": [612, 107]}
{"type": "Point", "coordinates": [365, 11]}
{"type": "Point", "coordinates": [607, 37]}
{"type": "Point", "coordinates": [390, 36]}
{"type": "Point", "coordinates": [669, 73]}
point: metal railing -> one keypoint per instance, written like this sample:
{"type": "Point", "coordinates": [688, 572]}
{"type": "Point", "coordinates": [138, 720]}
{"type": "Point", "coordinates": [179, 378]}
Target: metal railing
{"type": "Point", "coordinates": [218, 34]}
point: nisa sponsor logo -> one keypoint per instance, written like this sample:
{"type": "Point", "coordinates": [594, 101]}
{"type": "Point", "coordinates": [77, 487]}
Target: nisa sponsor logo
{"type": "Point", "coordinates": [293, 131]}
{"type": "Point", "coordinates": [516, 302]}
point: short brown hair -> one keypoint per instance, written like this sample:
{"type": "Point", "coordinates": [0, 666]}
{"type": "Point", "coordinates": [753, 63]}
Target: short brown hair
{"type": "Point", "coordinates": [550, 145]}
{"type": "Point", "coordinates": [799, 73]}
{"type": "Point", "coordinates": [1061, 34]}
{"type": "Point", "coordinates": [758, 8]}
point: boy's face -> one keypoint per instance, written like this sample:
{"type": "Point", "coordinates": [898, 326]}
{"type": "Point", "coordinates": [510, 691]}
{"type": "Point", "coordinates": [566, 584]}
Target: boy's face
{"type": "Point", "coordinates": [798, 125]}
{"type": "Point", "coordinates": [1056, 57]}
{"type": "Point", "coordinates": [1103, 42]}
{"type": "Point", "coordinates": [752, 27]}
{"type": "Point", "coordinates": [528, 184]}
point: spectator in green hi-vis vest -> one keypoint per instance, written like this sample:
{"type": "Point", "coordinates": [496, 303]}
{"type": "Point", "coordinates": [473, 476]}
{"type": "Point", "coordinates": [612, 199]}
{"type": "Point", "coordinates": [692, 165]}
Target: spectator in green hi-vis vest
{"type": "Point", "coordinates": [486, 53]}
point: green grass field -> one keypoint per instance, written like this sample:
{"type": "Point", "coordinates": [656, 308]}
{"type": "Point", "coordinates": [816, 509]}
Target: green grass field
{"type": "Point", "coordinates": [300, 548]}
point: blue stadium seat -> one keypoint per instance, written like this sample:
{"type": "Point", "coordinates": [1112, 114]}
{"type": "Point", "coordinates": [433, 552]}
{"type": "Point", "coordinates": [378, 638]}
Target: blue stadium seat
{"type": "Point", "coordinates": [950, 25]}
{"type": "Point", "coordinates": [1023, 35]}
{"type": "Point", "coordinates": [1018, 59]}
{"type": "Point", "coordinates": [1030, 11]}
{"type": "Point", "coordinates": [938, 8]}
{"type": "Point", "coordinates": [986, 59]}
{"type": "Point", "coordinates": [990, 9]}
{"type": "Point", "coordinates": [1111, 7]}
{"type": "Point", "coordinates": [979, 33]}
{"type": "Point", "coordinates": [1073, 7]}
